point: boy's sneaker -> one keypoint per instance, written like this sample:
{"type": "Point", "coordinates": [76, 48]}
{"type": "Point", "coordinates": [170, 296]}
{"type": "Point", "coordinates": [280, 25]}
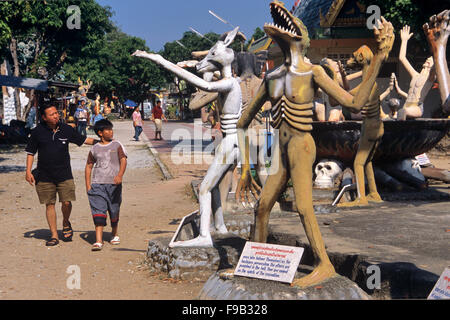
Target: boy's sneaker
{"type": "Point", "coordinates": [115, 240]}
{"type": "Point", "coordinates": [97, 246]}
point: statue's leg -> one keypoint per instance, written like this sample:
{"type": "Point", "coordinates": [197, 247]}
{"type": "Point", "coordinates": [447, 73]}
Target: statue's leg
{"type": "Point", "coordinates": [373, 195]}
{"type": "Point", "coordinates": [220, 165]}
{"type": "Point", "coordinates": [224, 188]}
{"type": "Point", "coordinates": [260, 143]}
{"type": "Point", "coordinates": [302, 153]}
{"type": "Point", "coordinates": [219, 200]}
{"type": "Point", "coordinates": [362, 155]}
{"type": "Point", "coordinates": [275, 184]}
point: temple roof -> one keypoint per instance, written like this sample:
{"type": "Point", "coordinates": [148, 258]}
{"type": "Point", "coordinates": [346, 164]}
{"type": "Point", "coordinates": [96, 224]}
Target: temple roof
{"type": "Point", "coordinates": [316, 14]}
{"type": "Point", "coordinates": [310, 11]}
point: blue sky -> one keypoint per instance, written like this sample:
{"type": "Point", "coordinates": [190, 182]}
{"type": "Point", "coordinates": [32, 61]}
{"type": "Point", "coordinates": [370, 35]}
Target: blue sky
{"type": "Point", "coordinates": [161, 21]}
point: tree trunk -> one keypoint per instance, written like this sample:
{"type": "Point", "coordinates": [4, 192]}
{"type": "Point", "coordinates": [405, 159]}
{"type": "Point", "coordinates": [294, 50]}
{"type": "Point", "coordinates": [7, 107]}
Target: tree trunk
{"type": "Point", "coordinates": [29, 105]}
{"type": "Point", "coordinates": [180, 99]}
{"type": "Point", "coordinates": [13, 49]}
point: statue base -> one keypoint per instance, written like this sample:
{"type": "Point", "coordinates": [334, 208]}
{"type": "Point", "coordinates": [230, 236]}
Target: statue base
{"type": "Point", "coordinates": [241, 288]}
{"type": "Point", "coordinates": [194, 263]}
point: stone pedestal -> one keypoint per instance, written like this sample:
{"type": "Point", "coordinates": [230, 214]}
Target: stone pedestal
{"type": "Point", "coordinates": [194, 263]}
{"type": "Point", "coordinates": [240, 288]}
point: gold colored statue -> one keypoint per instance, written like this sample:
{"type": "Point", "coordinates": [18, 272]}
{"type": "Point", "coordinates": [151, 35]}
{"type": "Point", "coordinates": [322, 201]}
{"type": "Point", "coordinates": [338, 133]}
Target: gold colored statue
{"type": "Point", "coordinates": [290, 88]}
{"type": "Point", "coordinates": [437, 31]}
{"type": "Point", "coordinates": [372, 131]}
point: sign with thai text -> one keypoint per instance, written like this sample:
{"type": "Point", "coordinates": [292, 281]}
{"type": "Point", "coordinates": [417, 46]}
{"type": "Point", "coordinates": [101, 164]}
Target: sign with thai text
{"type": "Point", "coordinates": [442, 288]}
{"type": "Point", "coordinates": [269, 261]}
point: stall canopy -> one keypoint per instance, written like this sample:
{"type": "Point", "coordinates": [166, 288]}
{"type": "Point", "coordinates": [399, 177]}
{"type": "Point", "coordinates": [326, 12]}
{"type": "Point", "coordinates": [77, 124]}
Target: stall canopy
{"type": "Point", "coordinates": [130, 103]}
{"type": "Point", "coordinates": [36, 84]}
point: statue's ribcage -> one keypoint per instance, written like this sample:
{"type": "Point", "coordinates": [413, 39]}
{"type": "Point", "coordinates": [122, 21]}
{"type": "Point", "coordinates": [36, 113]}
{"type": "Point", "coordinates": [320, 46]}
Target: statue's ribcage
{"type": "Point", "coordinates": [228, 123]}
{"type": "Point", "coordinates": [371, 111]}
{"type": "Point", "coordinates": [298, 116]}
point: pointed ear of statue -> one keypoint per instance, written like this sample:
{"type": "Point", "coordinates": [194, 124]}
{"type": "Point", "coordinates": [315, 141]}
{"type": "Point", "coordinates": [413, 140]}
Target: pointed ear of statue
{"type": "Point", "coordinates": [230, 37]}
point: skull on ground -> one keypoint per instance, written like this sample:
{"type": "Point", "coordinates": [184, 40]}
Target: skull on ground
{"type": "Point", "coordinates": [326, 172]}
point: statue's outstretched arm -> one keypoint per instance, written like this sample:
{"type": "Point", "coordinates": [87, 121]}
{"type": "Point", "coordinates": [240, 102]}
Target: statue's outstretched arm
{"type": "Point", "coordinates": [389, 89]}
{"type": "Point", "coordinates": [437, 31]}
{"type": "Point", "coordinates": [400, 91]}
{"type": "Point", "coordinates": [354, 76]}
{"type": "Point", "coordinates": [215, 86]}
{"type": "Point", "coordinates": [384, 36]}
{"type": "Point", "coordinates": [405, 36]}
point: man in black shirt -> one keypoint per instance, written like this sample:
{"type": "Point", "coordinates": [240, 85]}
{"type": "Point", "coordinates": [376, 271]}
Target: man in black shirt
{"type": "Point", "coordinates": [50, 139]}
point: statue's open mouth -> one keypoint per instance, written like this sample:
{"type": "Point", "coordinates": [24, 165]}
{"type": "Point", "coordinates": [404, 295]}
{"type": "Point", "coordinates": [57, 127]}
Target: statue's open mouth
{"type": "Point", "coordinates": [283, 21]}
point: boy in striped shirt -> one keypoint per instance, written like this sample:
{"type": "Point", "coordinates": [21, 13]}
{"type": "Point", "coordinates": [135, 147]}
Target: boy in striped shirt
{"type": "Point", "coordinates": [107, 162]}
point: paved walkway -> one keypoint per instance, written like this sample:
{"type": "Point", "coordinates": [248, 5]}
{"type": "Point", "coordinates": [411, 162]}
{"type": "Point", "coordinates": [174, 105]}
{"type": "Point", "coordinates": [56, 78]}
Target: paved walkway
{"type": "Point", "coordinates": [176, 133]}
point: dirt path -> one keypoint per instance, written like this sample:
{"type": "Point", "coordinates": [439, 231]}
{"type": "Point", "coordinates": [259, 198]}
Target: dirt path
{"type": "Point", "coordinates": [151, 208]}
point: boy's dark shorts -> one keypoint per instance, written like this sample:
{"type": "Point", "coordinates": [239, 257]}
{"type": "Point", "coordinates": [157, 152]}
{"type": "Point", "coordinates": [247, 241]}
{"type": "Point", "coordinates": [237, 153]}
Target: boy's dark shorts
{"type": "Point", "coordinates": [47, 191]}
{"type": "Point", "coordinates": [105, 198]}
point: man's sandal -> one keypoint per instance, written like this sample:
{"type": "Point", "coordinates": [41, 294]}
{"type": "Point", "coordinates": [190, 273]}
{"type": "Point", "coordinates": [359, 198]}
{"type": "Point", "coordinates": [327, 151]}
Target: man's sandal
{"type": "Point", "coordinates": [97, 246]}
{"type": "Point", "coordinates": [52, 242]}
{"type": "Point", "coordinates": [67, 233]}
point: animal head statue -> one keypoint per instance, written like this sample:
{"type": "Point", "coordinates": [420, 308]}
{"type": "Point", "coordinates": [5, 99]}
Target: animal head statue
{"type": "Point", "coordinates": [219, 56]}
{"type": "Point", "coordinates": [286, 28]}
{"type": "Point", "coordinates": [360, 57]}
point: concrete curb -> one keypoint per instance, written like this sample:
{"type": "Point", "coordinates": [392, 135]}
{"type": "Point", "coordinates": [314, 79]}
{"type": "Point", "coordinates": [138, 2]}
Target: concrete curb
{"type": "Point", "coordinates": [165, 171]}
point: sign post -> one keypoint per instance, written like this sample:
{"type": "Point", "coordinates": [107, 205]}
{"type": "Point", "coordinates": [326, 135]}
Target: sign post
{"type": "Point", "coordinates": [442, 288]}
{"type": "Point", "coordinates": [269, 262]}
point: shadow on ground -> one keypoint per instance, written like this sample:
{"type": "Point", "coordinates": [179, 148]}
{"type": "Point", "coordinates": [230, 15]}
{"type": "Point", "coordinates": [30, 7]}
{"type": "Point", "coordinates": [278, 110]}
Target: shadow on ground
{"type": "Point", "coordinates": [8, 169]}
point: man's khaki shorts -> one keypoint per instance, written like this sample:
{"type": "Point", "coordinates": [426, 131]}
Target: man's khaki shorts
{"type": "Point", "coordinates": [47, 191]}
{"type": "Point", "coordinates": [158, 125]}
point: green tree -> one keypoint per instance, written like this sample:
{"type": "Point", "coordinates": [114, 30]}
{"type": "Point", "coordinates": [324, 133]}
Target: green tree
{"type": "Point", "coordinates": [174, 52]}
{"type": "Point", "coordinates": [44, 24]}
{"type": "Point", "coordinates": [414, 13]}
{"type": "Point", "coordinates": [109, 65]}
{"type": "Point", "coordinates": [257, 34]}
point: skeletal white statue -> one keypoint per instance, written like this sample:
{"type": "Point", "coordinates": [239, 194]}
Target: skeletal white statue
{"type": "Point", "coordinates": [420, 85]}
{"type": "Point", "coordinates": [219, 57]}
{"type": "Point", "coordinates": [326, 172]}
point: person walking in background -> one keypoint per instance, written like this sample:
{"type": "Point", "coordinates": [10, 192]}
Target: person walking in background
{"type": "Point", "coordinates": [157, 116]}
{"type": "Point", "coordinates": [82, 116]}
{"type": "Point", "coordinates": [31, 119]}
{"type": "Point", "coordinates": [137, 123]}
{"type": "Point", "coordinates": [107, 161]}
{"type": "Point", "coordinates": [50, 139]}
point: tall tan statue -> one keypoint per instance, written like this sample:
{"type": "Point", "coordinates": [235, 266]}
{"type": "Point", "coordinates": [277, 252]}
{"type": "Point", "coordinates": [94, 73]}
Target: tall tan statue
{"type": "Point", "coordinates": [420, 84]}
{"type": "Point", "coordinates": [290, 88]}
{"type": "Point", "coordinates": [372, 131]}
{"type": "Point", "coordinates": [437, 32]}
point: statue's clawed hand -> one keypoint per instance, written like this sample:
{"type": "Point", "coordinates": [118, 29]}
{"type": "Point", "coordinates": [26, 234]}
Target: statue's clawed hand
{"type": "Point", "coordinates": [437, 29]}
{"type": "Point", "coordinates": [151, 56]}
{"type": "Point", "coordinates": [246, 186]}
{"type": "Point", "coordinates": [139, 53]}
{"type": "Point", "coordinates": [384, 35]}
